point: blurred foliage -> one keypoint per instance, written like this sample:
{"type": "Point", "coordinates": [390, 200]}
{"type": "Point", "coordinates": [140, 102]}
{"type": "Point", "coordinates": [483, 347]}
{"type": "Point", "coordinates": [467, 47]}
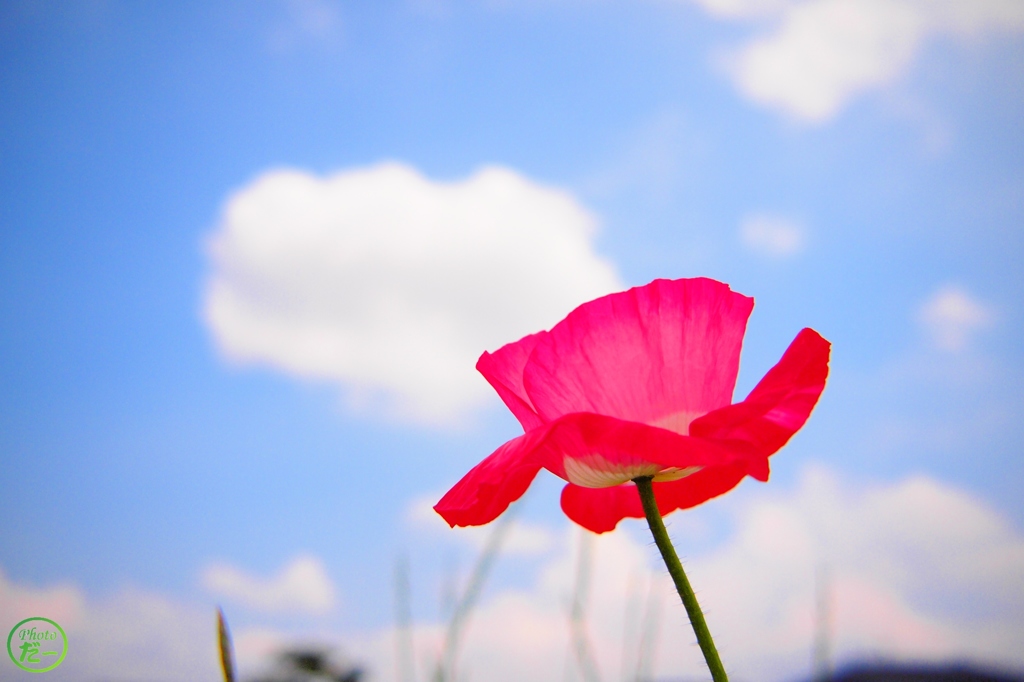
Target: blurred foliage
{"type": "Point", "coordinates": [921, 673]}
{"type": "Point", "coordinates": [310, 665]}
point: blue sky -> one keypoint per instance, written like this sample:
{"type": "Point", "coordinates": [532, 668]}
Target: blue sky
{"type": "Point", "coordinates": [873, 190]}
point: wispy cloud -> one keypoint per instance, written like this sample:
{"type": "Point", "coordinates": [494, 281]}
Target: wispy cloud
{"type": "Point", "coordinates": [650, 159]}
{"type": "Point", "coordinates": [302, 586]}
{"type": "Point", "coordinates": [771, 235]}
{"type": "Point", "coordinates": [391, 284]}
{"type": "Point", "coordinates": [952, 317]}
{"type": "Point", "coordinates": [307, 22]}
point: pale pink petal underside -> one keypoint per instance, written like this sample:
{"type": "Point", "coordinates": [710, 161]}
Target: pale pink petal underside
{"type": "Point", "coordinates": [600, 509]}
{"type": "Point", "coordinates": [612, 450]}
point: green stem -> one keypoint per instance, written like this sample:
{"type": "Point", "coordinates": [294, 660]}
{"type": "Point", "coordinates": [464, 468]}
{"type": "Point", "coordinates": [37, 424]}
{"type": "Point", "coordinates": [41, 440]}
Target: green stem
{"type": "Point", "coordinates": [675, 569]}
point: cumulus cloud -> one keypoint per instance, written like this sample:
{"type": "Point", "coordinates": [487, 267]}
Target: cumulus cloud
{"type": "Point", "coordinates": [514, 634]}
{"type": "Point", "coordinates": [811, 57]}
{"type": "Point", "coordinates": [918, 570]}
{"type": "Point", "coordinates": [130, 635]}
{"type": "Point", "coordinates": [952, 317]}
{"type": "Point", "coordinates": [390, 284]}
{"type": "Point", "coordinates": [301, 586]}
{"type": "Point", "coordinates": [771, 236]}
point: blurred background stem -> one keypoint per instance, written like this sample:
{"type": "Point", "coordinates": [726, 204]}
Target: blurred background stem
{"type": "Point", "coordinates": [446, 666]}
{"type": "Point", "coordinates": [578, 610]}
{"type": "Point", "coordinates": [403, 622]}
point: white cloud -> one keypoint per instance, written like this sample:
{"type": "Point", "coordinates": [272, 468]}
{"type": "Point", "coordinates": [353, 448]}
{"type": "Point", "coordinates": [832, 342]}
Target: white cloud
{"type": "Point", "coordinates": [952, 317]}
{"type": "Point", "coordinates": [826, 52]}
{"type": "Point", "coordinates": [811, 57]}
{"type": "Point", "coordinates": [130, 635]}
{"type": "Point", "coordinates": [919, 571]}
{"type": "Point", "coordinates": [301, 586]}
{"type": "Point", "coordinates": [390, 284]}
{"type": "Point", "coordinates": [518, 635]}
{"type": "Point", "coordinates": [771, 236]}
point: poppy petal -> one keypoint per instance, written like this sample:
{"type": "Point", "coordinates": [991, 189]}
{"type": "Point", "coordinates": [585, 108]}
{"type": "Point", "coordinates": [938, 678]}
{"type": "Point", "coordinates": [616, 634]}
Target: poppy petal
{"type": "Point", "coordinates": [599, 510]}
{"type": "Point", "coordinates": [503, 370]}
{"type": "Point", "coordinates": [778, 406]}
{"type": "Point", "coordinates": [587, 449]}
{"type": "Point", "coordinates": [639, 384]}
{"type": "Point", "coordinates": [660, 354]}
{"type": "Point", "coordinates": [493, 484]}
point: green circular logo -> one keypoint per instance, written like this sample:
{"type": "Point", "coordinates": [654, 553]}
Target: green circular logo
{"type": "Point", "coordinates": [37, 645]}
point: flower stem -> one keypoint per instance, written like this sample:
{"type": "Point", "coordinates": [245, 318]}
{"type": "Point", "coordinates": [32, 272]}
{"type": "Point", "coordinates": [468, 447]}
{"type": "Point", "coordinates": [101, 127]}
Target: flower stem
{"type": "Point", "coordinates": [675, 569]}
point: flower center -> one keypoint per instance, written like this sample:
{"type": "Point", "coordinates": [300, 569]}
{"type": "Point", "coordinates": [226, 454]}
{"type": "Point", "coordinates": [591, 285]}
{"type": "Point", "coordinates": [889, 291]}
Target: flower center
{"type": "Point", "coordinates": [594, 471]}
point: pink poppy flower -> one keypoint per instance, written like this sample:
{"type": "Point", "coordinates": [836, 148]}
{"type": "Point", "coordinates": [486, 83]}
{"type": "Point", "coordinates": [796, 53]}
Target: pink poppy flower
{"type": "Point", "coordinates": [639, 383]}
